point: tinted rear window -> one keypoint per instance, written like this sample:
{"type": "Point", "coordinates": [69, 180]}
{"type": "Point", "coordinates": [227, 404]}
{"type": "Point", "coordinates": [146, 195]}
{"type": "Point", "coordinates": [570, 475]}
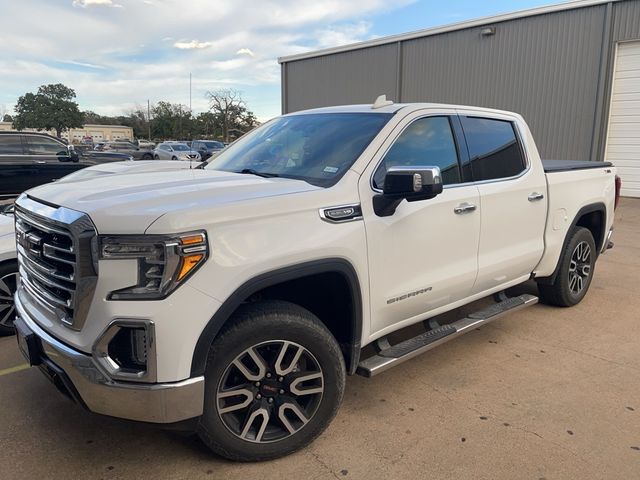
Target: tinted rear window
{"type": "Point", "coordinates": [10, 145]}
{"type": "Point", "coordinates": [493, 147]}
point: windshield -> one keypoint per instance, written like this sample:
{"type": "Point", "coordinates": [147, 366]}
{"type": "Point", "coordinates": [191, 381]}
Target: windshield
{"type": "Point", "coordinates": [214, 144]}
{"type": "Point", "coordinates": [317, 148]}
{"type": "Point", "coordinates": [179, 147]}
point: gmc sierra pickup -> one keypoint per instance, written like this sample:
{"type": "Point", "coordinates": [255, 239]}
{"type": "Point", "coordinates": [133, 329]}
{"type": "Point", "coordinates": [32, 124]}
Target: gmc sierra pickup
{"type": "Point", "coordinates": [234, 299]}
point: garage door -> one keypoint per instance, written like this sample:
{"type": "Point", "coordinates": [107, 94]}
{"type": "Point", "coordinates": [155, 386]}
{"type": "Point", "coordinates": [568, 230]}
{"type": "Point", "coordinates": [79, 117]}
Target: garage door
{"type": "Point", "coordinates": [623, 143]}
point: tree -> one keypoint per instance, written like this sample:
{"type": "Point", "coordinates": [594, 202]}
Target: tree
{"type": "Point", "coordinates": [171, 120]}
{"type": "Point", "coordinates": [7, 118]}
{"type": "Point", "coordinates": [231, 112]}
{"type": "Point", "coordinates": [52, 108]}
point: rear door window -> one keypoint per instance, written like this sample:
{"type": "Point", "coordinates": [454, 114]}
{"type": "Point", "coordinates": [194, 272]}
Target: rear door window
{"type": "Point", "coordinates": [11, 145]}
{"type": "Point", "coordinates": [494, 149]}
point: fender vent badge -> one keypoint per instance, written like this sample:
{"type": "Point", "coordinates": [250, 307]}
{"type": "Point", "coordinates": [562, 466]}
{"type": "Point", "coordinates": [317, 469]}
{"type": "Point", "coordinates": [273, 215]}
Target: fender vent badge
{"type": "Point", "coordinates": [342, 213]}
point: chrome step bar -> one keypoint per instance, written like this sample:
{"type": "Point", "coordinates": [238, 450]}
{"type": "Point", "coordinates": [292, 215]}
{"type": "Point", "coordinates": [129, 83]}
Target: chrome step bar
{"type": "Point", "coordinates": [403, 351]}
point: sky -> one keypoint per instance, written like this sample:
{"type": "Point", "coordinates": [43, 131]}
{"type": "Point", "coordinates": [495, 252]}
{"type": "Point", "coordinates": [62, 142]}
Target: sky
{"type": "Point", "coordinates": [117, 54]}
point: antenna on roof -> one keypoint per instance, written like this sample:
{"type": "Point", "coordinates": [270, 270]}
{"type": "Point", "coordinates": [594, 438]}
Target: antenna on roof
{"type": "Point", "coordinates": [381, 101]}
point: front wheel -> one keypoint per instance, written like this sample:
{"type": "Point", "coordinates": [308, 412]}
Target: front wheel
{"type": "Point", "coordinates": [274, 381]}
{"type": "Point", "coordinates": [576, 271]}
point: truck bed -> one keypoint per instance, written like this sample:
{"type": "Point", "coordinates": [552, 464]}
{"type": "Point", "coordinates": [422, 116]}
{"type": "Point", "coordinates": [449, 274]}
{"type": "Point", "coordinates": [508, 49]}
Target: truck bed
{"type": "Point", "coordinates": [551, 166]}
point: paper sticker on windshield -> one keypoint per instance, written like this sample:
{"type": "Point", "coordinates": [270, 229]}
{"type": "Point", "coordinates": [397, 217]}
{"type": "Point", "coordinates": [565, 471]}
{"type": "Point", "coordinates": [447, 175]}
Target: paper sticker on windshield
{"type": "Point", "coordinates": [330, 169]}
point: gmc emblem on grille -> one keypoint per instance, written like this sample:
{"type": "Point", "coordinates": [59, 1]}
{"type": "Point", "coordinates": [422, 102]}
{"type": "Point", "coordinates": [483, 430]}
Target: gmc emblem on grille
{"type": "Point", "coordinates": [32, 243]}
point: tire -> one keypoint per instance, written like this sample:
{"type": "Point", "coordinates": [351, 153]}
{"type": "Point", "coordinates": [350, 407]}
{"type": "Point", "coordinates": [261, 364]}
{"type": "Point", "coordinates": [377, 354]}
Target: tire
{"type": "Point", "coordinates": [147, 156]}
{"type": "Point", "coordinates": [8, 282]}
{"type": "Point", "coordinates": [174, 158]}
{"type": "Point", "coordinates": [577, 265]}
{"type": "Point", "coordinates": [156, 157]}
{"type": "Point", "coordinates": [279, 334]}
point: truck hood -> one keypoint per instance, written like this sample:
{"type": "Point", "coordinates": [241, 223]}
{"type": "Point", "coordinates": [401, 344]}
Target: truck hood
{"type": "Point", "coordinates": [129, 203]}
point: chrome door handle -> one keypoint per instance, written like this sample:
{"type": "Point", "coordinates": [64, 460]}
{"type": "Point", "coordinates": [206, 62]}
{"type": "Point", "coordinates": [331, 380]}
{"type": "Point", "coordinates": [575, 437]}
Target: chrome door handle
{"type": "Point", "coordinates": [464, 208]}
{"type": "Point", "coordinates": [535, 196]}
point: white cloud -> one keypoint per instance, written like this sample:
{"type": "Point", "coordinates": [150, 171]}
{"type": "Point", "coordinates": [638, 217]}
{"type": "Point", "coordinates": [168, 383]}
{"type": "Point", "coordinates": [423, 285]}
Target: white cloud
{"type": "Point", "coordinates": [193, 44]}
{"type": "Point", "coordinates": [149, 52]}
{"type": "Point", "coordinates": [246, 51]}
{"type": "Point", "coordinates": [333, 36]}
{"type": "Point", "coordinates": [84, 64]}
{"type": "Point", "coordinates": [94, 3]}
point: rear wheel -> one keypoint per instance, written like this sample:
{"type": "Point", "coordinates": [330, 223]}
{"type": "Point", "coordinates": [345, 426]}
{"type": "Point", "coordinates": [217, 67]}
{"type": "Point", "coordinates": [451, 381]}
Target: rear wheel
{"type": "Point", "coordinates": [174, 158]}
{"type": "Point", "coordinates": [8, 285]}
{"type": "Point", "coordinates": [156, 157]}
{"type": "Point", "coordinates": [274, 381]}
{"type": "Point", "coordinates": [147, 156]}
{"type": "Point", "coordinates": [576, 271]}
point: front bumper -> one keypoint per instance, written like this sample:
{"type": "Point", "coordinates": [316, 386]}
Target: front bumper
{"type": "Point", "coordinates": [85, 382]}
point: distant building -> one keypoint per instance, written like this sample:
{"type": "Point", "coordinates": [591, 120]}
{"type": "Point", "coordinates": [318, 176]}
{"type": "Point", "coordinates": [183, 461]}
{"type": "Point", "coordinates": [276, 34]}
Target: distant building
{"type": "Point", "coordinates": [98, 133]}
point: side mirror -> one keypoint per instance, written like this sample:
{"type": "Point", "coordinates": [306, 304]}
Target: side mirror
{"type": "Point", "coordinates": [410, 183]}
{"type": "Point", "coordinates": [71, 155]}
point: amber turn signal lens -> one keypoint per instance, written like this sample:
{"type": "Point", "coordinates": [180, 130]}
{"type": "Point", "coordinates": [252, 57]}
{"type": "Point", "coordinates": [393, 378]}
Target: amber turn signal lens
{"type": "Point", "coordinates": [192, 239]}
{"type": "Point", "coordinates": [188, 263]}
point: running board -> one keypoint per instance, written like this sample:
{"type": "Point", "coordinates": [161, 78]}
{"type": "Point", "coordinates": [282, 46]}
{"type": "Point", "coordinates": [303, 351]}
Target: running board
{"type": "Point", "coordinates": [396, 354]}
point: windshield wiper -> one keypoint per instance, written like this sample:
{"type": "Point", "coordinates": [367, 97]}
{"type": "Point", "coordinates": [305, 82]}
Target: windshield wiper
{"type": "Point", "coordinates": [251, 171]}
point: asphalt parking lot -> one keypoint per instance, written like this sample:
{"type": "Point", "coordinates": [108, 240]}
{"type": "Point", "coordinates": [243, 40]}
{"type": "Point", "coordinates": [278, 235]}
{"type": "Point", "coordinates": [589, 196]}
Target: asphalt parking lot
{"type": "Point", "coordinates": [545, 393]}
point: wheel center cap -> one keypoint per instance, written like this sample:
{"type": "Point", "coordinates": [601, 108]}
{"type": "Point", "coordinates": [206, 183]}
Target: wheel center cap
{"type": "Point", "coordinates": [270, 389]}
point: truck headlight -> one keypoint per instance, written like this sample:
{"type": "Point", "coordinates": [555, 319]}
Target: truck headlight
{"type": "Point", "coordinates": [164, 261]}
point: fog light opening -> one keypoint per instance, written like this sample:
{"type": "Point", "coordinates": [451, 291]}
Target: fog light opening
{"type": "Point", "coordinates": [128, 349]}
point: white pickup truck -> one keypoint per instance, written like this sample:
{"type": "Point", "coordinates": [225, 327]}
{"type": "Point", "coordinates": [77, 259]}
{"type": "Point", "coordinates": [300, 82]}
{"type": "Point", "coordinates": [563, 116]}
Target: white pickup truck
{"type": "Point", "coordinates": [234, 299]}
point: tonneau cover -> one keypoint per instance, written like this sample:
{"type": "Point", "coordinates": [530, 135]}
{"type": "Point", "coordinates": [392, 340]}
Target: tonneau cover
{"type": "Point", "coordinates": [551, 166]}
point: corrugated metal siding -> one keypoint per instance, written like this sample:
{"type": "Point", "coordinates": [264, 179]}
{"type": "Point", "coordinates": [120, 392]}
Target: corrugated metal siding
{"type": "Point", "coordinates": [626, 21]}
{"type": "Point", "coordinates": [342, 79]}
{"type": "Point", "coordinates": [544, 67]}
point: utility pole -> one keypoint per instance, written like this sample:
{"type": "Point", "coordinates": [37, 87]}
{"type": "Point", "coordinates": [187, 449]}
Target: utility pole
{"type": "Point", "coordinates": [189, 92]}
{"type": "Point", "coordinates": [149, 118]}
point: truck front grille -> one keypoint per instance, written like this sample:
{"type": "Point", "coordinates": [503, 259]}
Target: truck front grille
{"type": "Point", "coordinates": [54, 257]}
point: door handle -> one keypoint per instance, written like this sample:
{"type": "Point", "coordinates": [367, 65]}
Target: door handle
{"type": "Point", "coordinates": [40, 161]}
{"type": "Point", "coordinates": [464, 208]}
{"type": "Point", "coordinates": [535, 196]}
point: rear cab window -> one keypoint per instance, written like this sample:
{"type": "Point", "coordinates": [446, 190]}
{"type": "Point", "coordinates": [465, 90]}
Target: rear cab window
{"type": "Point", "coordinates": [494, 148]}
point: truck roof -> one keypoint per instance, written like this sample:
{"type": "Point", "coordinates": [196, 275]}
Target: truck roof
{"type": "Point", "coordinates": [395, 107]}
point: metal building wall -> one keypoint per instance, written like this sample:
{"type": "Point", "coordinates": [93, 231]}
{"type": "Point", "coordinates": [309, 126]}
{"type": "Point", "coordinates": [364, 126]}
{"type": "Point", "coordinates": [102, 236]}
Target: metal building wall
{"type": "Point", "coordinates": [554, 68]}
{"type": "Point", "coordinates": [341, 79]}
{"type": "Point", "coordinates": [544, 67]}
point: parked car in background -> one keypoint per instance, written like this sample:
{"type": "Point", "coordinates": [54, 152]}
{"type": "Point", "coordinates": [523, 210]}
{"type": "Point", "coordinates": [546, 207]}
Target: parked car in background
{"type": "Point", "coordinates": [8, 269]}
{"type": "Point", "coordinates": [175, 151]}
{"type": "Point", "coordinates": [146, 144]}
{"type": "Point", "coordinates": [207, 148]}
{"type": "Point", "coordinates": [30, 159]}
{"type": "Point", "coordinates": [125, 147]}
